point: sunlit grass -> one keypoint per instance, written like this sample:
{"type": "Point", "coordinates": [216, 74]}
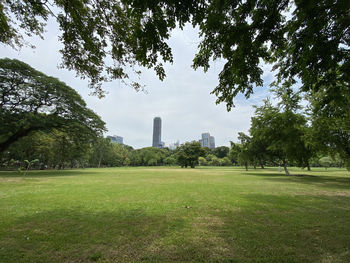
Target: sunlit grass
{"type": "Point", "coordinates": [161, 214]}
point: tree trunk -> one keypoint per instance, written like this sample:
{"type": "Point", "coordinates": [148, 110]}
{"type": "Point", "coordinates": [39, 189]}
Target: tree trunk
{"type": "Point", "coordinates": [254, 167]}
{"type": "Point", "coordinates": [308, 166]}
{"type": "Point", "coordinates": [262, 166]}
{"type": "Point", "coordinates": [285, 168]}
{"type": "Point", "coordinates": [246, 166]}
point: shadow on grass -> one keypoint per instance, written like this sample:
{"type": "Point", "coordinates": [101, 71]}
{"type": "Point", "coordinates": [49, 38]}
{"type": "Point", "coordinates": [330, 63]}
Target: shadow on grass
{"type": "Point", "coordinates": [335, 182]}
{"type": "Point", "coordinates": [276, 228]}
{"type": "Point", "coordinates": [269, 229]}
{"type": "Point", "coordinates": [79, 236]}
{"type": "Point", "coordinates": [47, 173]}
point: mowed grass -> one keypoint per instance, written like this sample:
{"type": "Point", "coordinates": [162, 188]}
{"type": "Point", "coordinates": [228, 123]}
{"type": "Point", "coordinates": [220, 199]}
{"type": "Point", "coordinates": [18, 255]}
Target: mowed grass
{"type": "Point", "coordinates": [175, 215]}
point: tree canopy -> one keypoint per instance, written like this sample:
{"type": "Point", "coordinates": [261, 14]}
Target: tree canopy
{"type": "Point", "coordinates": [304, 40]}
{"type": "Point", "coordinates": [188, 154]}
{"type": "Point", "coordinates": [31, 101]}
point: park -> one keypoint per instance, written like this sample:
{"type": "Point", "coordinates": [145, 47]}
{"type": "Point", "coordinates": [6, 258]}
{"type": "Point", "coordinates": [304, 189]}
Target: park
{"type": "Point", "coordinates": [249, 159]}
{"type": "Point", "coordinates": [169, 214]}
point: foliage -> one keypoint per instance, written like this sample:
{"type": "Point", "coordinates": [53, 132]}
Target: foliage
{"type": "Point", "coordinates": [56, 149]}
{"type": "Point", "coordinates": [225, 161]}
{"type": "Point", "coordinates": [239, 152]}
{"type": "Point", "coordinates": [202, 161]}
{"type": "Point", "coordinates": [149, 156]}
{"type": "Point", "coordinates": [326, 161]}
{"type": "Point", "coordinates": [188, 154]}
{"type": "Point", "coordinates": [330, 115]}
{"type": "Point", "coordinates": [31, 101]}
{"type": "Point", "coordinates": [170, 160]}
{"type": "Point", "coordinates": [282, 128]}
{"type": "Point", "coordinates": [213, 161]}
{"type": "Point", "coordinates": [220, 151]}
{"type": "Point", "coordinates": [306, 40]}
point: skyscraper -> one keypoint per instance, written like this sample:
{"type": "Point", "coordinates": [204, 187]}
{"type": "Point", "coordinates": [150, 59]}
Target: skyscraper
{"type": "Point", "coordinates": [207, 140]}
{"type": "Point", "coordinates": [157, 132]}
{"type": "Point", "coordinates": [211, 142]}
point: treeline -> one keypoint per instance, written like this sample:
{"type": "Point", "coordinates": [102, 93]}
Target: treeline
{"type": "Point", "coordinates": [60, 150]}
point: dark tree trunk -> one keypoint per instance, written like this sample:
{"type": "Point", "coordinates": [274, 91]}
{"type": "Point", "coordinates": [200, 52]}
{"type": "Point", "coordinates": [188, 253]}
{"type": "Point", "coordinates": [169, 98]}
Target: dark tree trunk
{"type": "Point", "coordinates": [285, 168]}
{"type": "Point", "coordinates": [15, 137]}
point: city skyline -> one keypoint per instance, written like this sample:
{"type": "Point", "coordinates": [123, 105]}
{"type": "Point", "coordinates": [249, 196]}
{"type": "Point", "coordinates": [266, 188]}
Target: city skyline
{"type": "Point", "coordinates": [206, 141]}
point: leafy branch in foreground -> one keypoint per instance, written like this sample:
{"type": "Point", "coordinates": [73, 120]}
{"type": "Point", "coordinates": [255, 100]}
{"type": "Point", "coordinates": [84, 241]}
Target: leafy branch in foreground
{"type": "Point", "coordinates": [303, 40]}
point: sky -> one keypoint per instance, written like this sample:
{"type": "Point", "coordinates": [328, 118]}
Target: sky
{"type": "Point", "coordinates": [182, 100]}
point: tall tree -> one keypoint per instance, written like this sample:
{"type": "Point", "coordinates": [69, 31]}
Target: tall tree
{"type": "Point", "coordinates": [330, 117]}
{"type": "Point", "coordinates": [282, 129]}
{"type": "Point", "coordinates": [31, 101]}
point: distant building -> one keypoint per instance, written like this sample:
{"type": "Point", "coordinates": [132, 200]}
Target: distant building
{"type": "Point", "coordinates": [211, 142]}
{"type": "Point", "coordinates": [207, 140]}
{"type": "Point", "coordinates": [157, 133]}
{"type": "Point", "coordinates": [116, 139]}
{"type": "Point", "coordinates": [173, 146]}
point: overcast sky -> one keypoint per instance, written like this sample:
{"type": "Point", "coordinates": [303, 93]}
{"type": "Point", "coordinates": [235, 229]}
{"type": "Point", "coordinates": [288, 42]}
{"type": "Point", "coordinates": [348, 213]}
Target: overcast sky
{"type": "Point", "coordinates": [182, 100]}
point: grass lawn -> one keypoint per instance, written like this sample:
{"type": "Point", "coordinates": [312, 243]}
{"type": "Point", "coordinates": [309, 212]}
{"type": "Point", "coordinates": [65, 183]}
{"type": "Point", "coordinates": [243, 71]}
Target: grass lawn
{"type": "Point", "coordinates": [175, 215]}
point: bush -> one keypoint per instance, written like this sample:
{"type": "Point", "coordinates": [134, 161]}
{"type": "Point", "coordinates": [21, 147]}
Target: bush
{"type": "Point", "coordinates": [202, 161]}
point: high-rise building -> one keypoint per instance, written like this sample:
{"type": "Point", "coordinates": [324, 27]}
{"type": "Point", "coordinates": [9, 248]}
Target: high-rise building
{"type": "Point", "coordinates": [207, 140]}
{"type": "Point", "coordinates": [211, 142]}
{"type": "Point", "coordinates": [157, 132]}
{"type": "Point", "coordinates": [116, 139]}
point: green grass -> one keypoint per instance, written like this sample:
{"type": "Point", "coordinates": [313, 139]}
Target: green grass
{"type": "Point", "coordinates": [175, 215]}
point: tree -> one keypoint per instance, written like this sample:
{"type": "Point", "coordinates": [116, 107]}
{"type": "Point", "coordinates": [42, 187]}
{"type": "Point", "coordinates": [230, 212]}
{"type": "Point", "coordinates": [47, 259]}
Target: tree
{"type": "Point", "coordinates": [330, 114]}
{"type": "Point", "coordinates": [221, 151]}
{"type": "Point", "coordinates": [57, 148]}
{"type": "Point", "coordinates": [188, 154]}
{"type": "Point", "coordinates": [202, 161]}
{"type": "Point", "coordinates": [282, 130]}
{"type": "Point", "coordinates": [326, 161]}
{"type": "Point", "coordinates": [306, 40]}
{"type": "Point", "coordinates": [31, 101]}
{"type": "Point", "coordinates": [225, 161]}
{"type": "Point", "coordinates": [102, 153]}
{"type": "Point", "coordinates": [70, 148]}
{"type": "Point", "coordinates": [170, 160]}
{"type": "Point", "coordinates": [213, 160]}
{"type": "Point", "coordinates": [239, 152]}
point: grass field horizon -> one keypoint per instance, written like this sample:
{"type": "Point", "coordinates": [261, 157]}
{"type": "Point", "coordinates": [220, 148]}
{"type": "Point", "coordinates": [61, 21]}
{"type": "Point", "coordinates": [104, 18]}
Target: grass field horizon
{"type": "Point", "coordinates": [169, 214]}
